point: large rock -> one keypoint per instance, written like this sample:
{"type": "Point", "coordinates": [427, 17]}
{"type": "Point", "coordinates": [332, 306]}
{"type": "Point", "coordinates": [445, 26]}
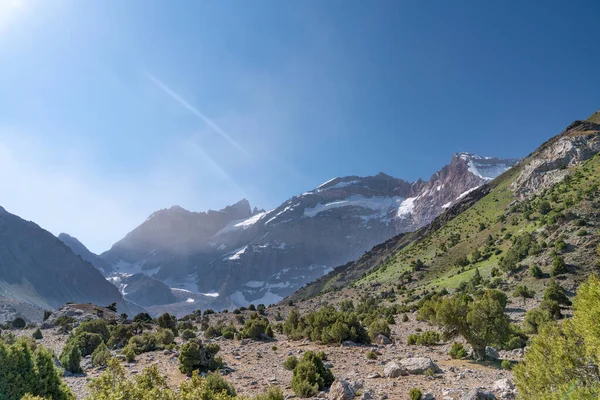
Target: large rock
{"type": "Point", "coordinates": [491, 353]}
{"type": "Point", "coordinates": [505, 387]}
{"type": "Point", "coordinates": [341, 390]}
{"type": "Point", "coordinates": [478, 394]}
{"type": "Point", "coordinates": [393, 370]}
{"type": "Point", "coordinates": [382, 339]}
{"type": "Point", "coordinates": [419, 365]}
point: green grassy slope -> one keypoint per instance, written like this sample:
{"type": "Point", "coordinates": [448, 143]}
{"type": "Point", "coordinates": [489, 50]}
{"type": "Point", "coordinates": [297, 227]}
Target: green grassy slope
{"type": "Point", "coordinates": [480, 231]}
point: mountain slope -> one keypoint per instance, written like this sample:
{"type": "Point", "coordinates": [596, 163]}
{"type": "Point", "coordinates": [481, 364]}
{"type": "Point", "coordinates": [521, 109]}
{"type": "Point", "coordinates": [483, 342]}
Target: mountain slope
{"type": "Point", "coordinates": [79, 248]}
{"type": "Point", "coordinates": [39, 269]}
{"type": "Point", "coordinates": [261, 257]}
{"type": "Point", "coordinates": [489, 222]}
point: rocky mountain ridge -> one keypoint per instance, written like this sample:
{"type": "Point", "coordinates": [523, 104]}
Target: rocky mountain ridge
{"type": "Point", "coordinates": [257, 256]}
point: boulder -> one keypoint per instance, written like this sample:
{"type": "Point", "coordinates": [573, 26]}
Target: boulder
{"type": "Point", "coordinates": [382, 339]}
{"type": "Point", "coordinates": [393, 370]}
{"type": "Point", "coordinates": [419, 365]}
{"type": "Point", "coordinates": [491, 353]}
{"type": "Point", "coordinates": [341, 390]}
{"type": "Point", "coordinates": [478, 394]}
{"type": "Point", "coordinates": [505, 387]}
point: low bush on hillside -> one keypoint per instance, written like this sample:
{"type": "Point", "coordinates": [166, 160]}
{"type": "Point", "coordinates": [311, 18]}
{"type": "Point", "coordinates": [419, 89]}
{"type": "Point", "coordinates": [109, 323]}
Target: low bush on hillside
{"type": "Point", "coordinates": [151, 384]}
{"type": "Point", "coordinates": [458, 351]}
{"type": "Point", "coordinates": [423, 339]}
{"type": "Point", "coordinates": [195, 356]}
{"type": "Point", "coordinates": [290, 363]}
{"type": "Point", "coordinates": [310, 375]}
{"type": "Point", "coordinates": [226, 331]}
{"type": "Point", "coordinates": [256, 328]}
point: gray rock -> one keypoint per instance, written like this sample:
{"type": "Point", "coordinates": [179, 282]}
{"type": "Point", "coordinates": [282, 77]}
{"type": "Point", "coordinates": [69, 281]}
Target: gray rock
{"type": "Point", "coordinates": [382, 339]}
{"type": "Point", "coordinates": [506, 388]}
{"type": "Point", "coordinates": [341, 390]}
{"type": "Point", "coordinates": [491, 353]}
{"type": "Point", "coordinates": [478, 394]}
{"type": "Point", "coordinates": [393, 370]}
{"type": "Point", "coordinates": [419, 365]}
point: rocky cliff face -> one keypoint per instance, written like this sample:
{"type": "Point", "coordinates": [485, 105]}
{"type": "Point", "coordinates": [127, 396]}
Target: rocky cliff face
{"type": "Point", "coordinates": [38, 269]}
{"type": "Point", "coordinates": [263, 256]}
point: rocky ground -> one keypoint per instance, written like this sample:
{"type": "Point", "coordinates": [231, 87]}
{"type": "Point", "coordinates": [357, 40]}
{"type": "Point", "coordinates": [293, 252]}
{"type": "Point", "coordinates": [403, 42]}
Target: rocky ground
{"type": "Point", "coordinates": [255, 365]}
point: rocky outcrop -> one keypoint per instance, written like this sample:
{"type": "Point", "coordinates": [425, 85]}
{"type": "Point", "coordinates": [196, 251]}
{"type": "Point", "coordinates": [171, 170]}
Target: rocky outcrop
{"type": "Point", "coordinates": [419, 365]}
{"type": "Point", "coordinates": [82, 312]}
{"type": "Point", "coordinates": [478, 394]}
{"type": "Point", "coordinates": [393, 370]}
{"type": "Point", "coordinates": [341, 390]}
{"type": "Point", "coordinates": [505, 387]}
{"type": "Point", "coordinates": [548, 165]}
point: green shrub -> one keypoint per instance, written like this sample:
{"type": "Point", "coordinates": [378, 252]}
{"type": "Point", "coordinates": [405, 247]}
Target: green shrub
{"type": "Point", "coordinates": [188, 334]}
{"type": "Point", "coordinates": [37, 334]}
{"type": "Point", "coordinates": [24, 370]}
{"type": "Point", "coordinates": [87, 342]}
{"type": "Point", "coordinates": [523, 291]}
{"type": "Point", "coordinates": [480, 322]}
{"type": "Point", "coordinates": [415, 394]}
{"type": "Point", "coordinates": [95, 326]}
{"type": "Point", "coordinates": [555, 292]}
{"type": "Point", "coordinates": [535, 271]}
{"type": "Point", "coordinates": [165, 336]}
{"type": "Point", "coordinates": [290, 363]}
{"type": "Point", "coordinates": [379, 327]}
{"type": "Point", "coordinates": [70, 358]}
{"type": "Point", "coordinates": [458, 351]}
{"type": "Point", "coordinates": [310, 375]}
{"type": "Point", "coordinates": [168, 321]}
{"type": "Point", "coordinates": [129, 354]}
{"type": "Point", "coordinates": [18, 323]}
{"type": "Point", "coordinates": [371, 355]}
{"type": "Point", "coordinates": [535, 319]}
{"type": "Point", "coordinates": [143, 318]}
{"type": "Point", "coordinates": [256, 327]}
{"type": "Point", "coordinates": [272, 393]}
{"type": "Point", "coordinates": [195, 356]}
{"type": "Point", "coordinates": [423, 339]}
{"type": "Point", "coordinates": [506, 364]}
{"type": "Point", "coordinates": [559, 266]}
{"type": "Point", "coordinates": [120, 335]}
{"type": "Point", "coordinates": [143, 343]}
{"type": "Point", "coordinates": [404, 318]}
{"type": "Point", "coordinates": [101, 355]}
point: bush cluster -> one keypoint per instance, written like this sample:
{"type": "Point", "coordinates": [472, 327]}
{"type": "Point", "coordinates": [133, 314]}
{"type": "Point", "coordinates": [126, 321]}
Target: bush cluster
{"type": "Point", "coordinates": [310, 375]}
{"type": "Point", "coordinates": [29, 369]}
{"type": "Point", "coordinates": [423, 339]}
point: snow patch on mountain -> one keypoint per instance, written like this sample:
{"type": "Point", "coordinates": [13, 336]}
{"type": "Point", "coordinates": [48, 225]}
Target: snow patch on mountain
{"type": "Point", "coordinates": [237, 255]}
{"type": "Point", "coordinates": [242, 224]}
{"type": "Point", "coordinates": [463, 194]}
{"type": "Point", "coordinates": [486, 168]}
{"type": "Point", "coordinates": [326, 183]}
{"type": "Point", "coordinates": [377, 203]}
{"type": "Point", "coordinates": [406, 207]}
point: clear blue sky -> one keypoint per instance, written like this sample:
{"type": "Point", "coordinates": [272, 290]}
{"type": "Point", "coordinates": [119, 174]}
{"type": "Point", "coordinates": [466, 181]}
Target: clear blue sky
{"type": "Point", "coordinates": [112, 109]}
